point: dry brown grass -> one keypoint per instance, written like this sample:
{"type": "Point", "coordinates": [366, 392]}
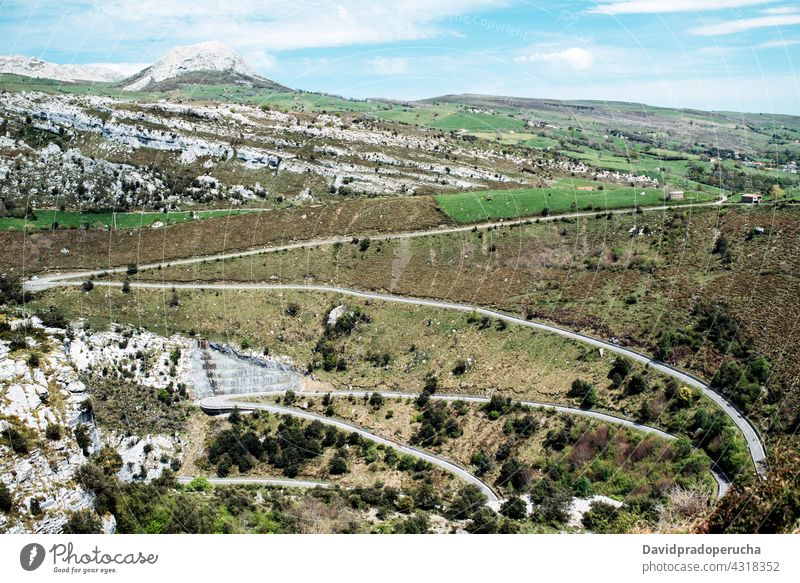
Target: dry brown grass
{"type": "Point", "coordinates": [589, 276]}
{"type": "Point", "coordinates": [478, 431]}
{"type": "Point", "coordinates": [97, 249]}
{"type": "Point", "coordinates": [683, 510]}
{"type": "Point", "coordinates": [516, 361]}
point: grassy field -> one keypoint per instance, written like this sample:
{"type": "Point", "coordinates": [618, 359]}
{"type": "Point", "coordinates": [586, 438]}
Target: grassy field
{"type": "Point", "coordinates": [18, 83]}
{"type": "Point", "coordinates": [297, 101]}
{"type": "Point", "coordinates": [97, 248]}
{"type": "Point", "coordinates": [451, 118]}
{"type": "Point", "coordinates": [469, 207]}
{"type": "Point", "coordinates": [47, 219]}
{"type": "Point", "coordinates": [417, 340]}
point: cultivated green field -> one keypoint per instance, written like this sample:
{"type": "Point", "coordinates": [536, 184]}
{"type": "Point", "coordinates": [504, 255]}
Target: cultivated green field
{"type": "Point", "coordinates": [451, 118]}
{"type": "Point", "coordinates": [469, 207]}
{"type": "Point", "coordinates": [14, 83]}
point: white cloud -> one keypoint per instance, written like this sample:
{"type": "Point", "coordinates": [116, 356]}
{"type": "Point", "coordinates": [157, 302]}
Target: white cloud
{"type": "Point", "coordinates": [389, 65]}
{"type": "Point", "coordinates": [782, 43]}
{"type": "Point", "coordinates": [658, 6]}
{"type": "Point", "coordinates": [260, 60]}
{"type": "Point", "coordinates": [745, 24]}
{"type": "Point", "coordinates": [276, 25]}
{"type": "Point", "coordinates": [780, 10]}
{"type": "Point", "coordinates": [576, 58]}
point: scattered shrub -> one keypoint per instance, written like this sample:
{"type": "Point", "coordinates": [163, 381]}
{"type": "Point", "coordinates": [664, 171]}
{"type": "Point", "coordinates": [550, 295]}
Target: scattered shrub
{"type": "Point", "coordinates": [83, 522]}
{"type": "Point", "coordinates": [6, 499]}
{"type": "Point", "coordinates": [53, 431]}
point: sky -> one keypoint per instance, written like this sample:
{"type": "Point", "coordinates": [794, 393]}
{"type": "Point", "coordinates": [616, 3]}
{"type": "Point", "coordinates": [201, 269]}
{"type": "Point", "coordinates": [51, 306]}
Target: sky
{"type": "Point", "coordinates": [735, 55]}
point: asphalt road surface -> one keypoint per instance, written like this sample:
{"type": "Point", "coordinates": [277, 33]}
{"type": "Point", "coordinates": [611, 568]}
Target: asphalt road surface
{"type": "Point", "coordinates": [226, 403]}
{"type": "Point", "coordinates": [751, 435]}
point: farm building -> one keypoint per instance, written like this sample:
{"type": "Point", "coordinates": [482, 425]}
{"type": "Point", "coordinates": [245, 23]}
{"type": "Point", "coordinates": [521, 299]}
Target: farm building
{"type": "Point", "coordinates": [675, 195]}
{"type": "Point", "coordinates": [750, 198]}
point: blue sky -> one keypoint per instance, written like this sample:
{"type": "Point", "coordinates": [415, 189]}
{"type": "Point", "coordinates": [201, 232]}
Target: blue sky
{"type": "Point", "coordinates": [707, 54]}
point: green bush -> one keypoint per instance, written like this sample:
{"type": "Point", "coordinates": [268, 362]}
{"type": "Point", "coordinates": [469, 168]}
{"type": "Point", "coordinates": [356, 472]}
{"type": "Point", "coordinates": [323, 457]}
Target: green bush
{"type": "Point", "coordinates": [739, 383]}
{"type": "Point", "coordinates": [484, 521]}
{"type": "Point", "coordinates": [82, 437]}
{"type": "Point", "coordinates": [83, 522]}
{"type": "Point", "coordinates": [241, 447]}
{"type": "Point", "coordinates": [460, 367]}
{"type": "Point", "coordinates": [6, 500]}
{"type": "Point", "coordinates": [53, 317]}
{"type": "Point", "coordinates": [34, 360]}
{"type": "Point", "coordinates": [590, 400]}
{"type": "Point", "coordinates": [636, 384]}
{"type": "Point", "coordinates": [498, 406]}
{"type": "Point", "coordinates": [469, 499]}
{"type": "Point", "coordinates": [514, 473]}
{"type": "Point", "coordinates": [601, 518]}
{"type": "Point", "coordinates": [108, 460]}
{"type": "Point", "coordinates": [10, 290]}
{"type": "Point", "coordinates": [585, 392]}
{"type": "Point", "coordinates": [482, 462]}
{"type": "Point", "coordinates": [18, 438]}
{"type": "Point", "coordinates": [416, 524]}
{"type": "Point", "coordinates": [53, 431]}
{"type": "Point", "coordinates": [552, 509]}
{"type": "Point", "coordinates": [514, 508]}
{"type": "Point", "coordinates": [426, 497]}
{"type": "Point", "coordinates": [583, 487]}
{"type": "Point", "coordinates": [338, 465]}
{"type": "Point", "coordinates": [436, 424]}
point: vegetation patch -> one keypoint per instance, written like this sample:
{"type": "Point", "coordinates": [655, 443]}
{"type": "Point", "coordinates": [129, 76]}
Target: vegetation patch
{"type": "Point", "coordinates": [470, 207]}
{"type": "Point", "coordinates": [133, 409]}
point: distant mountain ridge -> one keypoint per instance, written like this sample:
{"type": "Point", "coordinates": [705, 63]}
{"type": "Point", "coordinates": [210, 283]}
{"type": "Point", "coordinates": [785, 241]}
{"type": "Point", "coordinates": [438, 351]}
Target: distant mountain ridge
{"type": "Point", "coordinates": [207, 63]}
{"type": "Point", "coordinates": [584, 106]}
{"type": "Point", "coordinates": [37, 68]}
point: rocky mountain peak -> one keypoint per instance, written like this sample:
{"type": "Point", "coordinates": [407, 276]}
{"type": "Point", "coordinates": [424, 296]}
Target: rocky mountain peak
{"type": "Point", "coordinates": [207, 57]}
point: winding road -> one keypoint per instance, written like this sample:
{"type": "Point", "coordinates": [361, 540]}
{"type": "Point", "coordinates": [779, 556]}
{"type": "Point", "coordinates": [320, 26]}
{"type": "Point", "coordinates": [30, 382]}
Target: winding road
{"type": "Point", "coordinates": [220, 404]}
{"type": "Point", "coordinates": [42, 282]}
{"type": "Point", "coordinates": [225, 404]}
{"type": "Point", "coordinates": [752, 438]}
